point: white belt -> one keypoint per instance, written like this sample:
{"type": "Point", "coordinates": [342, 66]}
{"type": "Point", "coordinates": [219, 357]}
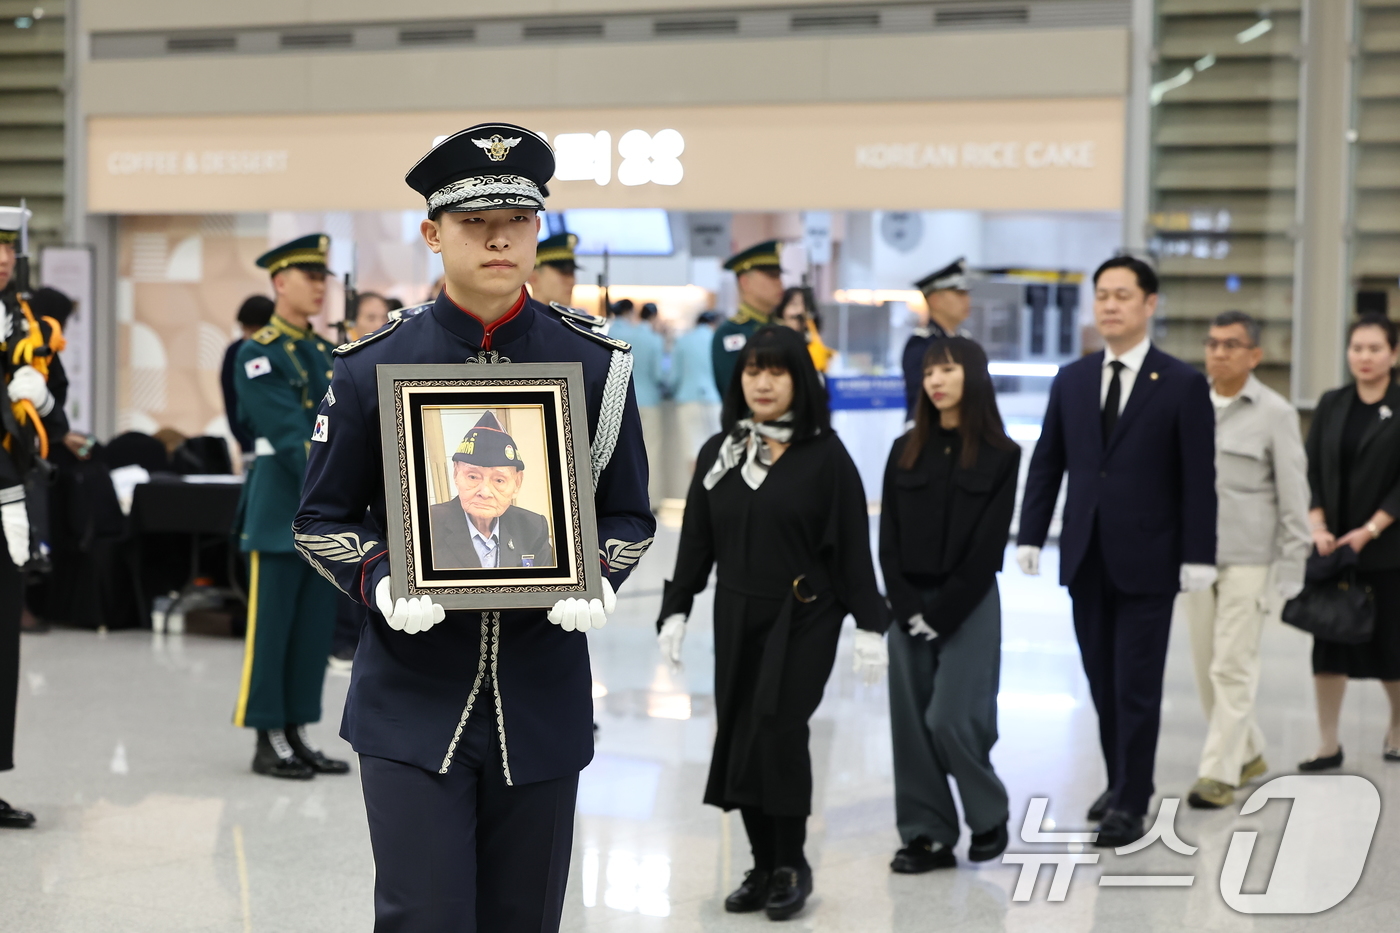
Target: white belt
{"type": "Point", "coordinates": [263, 447]}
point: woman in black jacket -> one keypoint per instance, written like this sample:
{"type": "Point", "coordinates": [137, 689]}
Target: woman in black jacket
{"type": "Point", "coordinates": [950, 489]}
{"type": "Point", "coordinates": [1354, 471]}
{"type": "Point", "coordinates": [777, 504]}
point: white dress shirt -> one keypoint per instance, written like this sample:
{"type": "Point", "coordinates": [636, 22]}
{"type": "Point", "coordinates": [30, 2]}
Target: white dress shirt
{"type": "Point", "coordinates": [486, 547]}
{"type": "Point", "coordinates": [1132, 361]}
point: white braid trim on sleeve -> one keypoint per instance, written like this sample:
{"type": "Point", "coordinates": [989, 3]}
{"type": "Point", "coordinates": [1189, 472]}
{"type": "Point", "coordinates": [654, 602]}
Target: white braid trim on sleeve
{"type": "Point", "coordinates": [610, 414]}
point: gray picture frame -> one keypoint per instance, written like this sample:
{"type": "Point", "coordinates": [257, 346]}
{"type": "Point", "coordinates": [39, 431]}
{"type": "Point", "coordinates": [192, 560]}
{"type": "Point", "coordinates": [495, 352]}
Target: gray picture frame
{"type": "Point", "coordinates": [406, 388]}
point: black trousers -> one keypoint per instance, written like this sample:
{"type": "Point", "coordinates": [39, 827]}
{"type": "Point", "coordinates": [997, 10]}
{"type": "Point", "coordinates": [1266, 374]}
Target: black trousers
{"type": "Point", "coordinates": [1123, 642]}
{"type": "Point", "coordinates": [11, 605]}
{"type": "Point", "coordinates": [463, 852]}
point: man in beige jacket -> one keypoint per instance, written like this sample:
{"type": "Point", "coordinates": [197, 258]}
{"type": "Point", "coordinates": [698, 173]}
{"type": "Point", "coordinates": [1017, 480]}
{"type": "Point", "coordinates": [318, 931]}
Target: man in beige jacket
{"type": "Point", "coordinates": [1261, 478]}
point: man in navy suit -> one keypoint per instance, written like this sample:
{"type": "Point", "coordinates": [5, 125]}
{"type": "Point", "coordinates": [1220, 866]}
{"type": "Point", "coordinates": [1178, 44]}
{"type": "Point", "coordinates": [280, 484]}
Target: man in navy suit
{"type": "Point", "coordinates": [1134, 430]}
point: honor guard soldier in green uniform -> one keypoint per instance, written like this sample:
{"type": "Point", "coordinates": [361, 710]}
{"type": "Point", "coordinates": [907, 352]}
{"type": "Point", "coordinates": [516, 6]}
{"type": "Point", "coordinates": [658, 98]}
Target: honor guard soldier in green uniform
{"type": "Point", "coordinates": [759, 274]}
{"type": "Point", "coordinates": [552, 282]}
{"type": "Point", "coordinates": [283, 372]}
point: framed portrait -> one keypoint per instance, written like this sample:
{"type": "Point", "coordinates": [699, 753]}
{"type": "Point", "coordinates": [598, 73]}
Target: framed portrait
{"type": "Point", "coordinates": [493, 504]}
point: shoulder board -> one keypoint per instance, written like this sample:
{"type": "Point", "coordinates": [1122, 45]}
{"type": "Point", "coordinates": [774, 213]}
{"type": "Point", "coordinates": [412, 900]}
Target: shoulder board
{"type": "Point", "coordinates": [414, 311]}
{"type": "Point", "coordinates": [576, 314]}
{"type": "Point", "coordinates": [384, 331]}
{"type": "Point", "coordinates": [593, 335]}
{"type": "Point", "coordinates": [267, 335]}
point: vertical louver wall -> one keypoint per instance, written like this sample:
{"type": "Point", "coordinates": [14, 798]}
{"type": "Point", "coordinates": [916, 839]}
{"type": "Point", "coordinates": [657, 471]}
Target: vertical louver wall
{"type": "Point", "coordinates": [32, 112]}
{"type": "Point", "coordinates": [1376, 243]}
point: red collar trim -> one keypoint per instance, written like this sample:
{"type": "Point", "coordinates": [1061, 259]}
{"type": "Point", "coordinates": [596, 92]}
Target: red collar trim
{"type": "Point", "coordinates": [488, 329]}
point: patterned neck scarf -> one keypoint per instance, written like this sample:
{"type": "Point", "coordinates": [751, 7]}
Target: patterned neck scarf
{"type": "Point", "coordinates": [745, 446]}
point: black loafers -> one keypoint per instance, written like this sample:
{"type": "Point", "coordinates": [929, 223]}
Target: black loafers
{"type": "Point", "coordinates": [788, 892]}
{"type": "Point", "coordinates": [1100, 807]}
{"type": "Point", "coordinates": [987, 846]}
{"type": "Point", "coordinates": [920, 855]}
{"type": "Point", "coordinates": [751, 895]}
{"type": "Point", "coordinates": [10, 818]}
{"type": "Point", "coordinates": [1119, 828]}
{"type": "Point", "coordinates": [1322, 764]}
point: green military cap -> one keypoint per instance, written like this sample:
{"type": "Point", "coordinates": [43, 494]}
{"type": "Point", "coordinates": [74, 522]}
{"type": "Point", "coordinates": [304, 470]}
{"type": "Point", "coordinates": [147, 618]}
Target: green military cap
{"type": "Point", "coordinates": [954, 275]}
{"type": "Point", "coordinates": [488, 445]}
{"type": "Point", "coordinates": [761, 256]}
{"type": "Point", "coordinates": [557, 250]}
{"type": "Point", "coordinates": [308, 252]}
{"type": "Point", "coordinates": [11, 219]}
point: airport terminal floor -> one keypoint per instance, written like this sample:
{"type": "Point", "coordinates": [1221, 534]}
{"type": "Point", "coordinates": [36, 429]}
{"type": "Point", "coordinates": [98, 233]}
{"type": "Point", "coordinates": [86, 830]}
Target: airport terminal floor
{"type": "Point", "coordinates": [143, 791]}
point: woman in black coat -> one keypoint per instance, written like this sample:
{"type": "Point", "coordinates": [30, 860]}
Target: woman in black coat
{"type": "Point", "coordinates": [777, 503]}
{"type": "Point", "coordinates": [1354, 471]}
{"type": "Point", "coordinates": [950, 489]}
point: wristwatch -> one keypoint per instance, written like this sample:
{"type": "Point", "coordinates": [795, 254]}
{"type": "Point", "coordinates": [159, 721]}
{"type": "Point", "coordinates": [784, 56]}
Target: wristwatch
{"type": "Point", "coordinates": [1370, 526]}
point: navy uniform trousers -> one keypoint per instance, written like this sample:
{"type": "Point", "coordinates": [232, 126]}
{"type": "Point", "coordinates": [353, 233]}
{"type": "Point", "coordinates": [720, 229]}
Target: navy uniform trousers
{"type": "Point", "coordinates": [427, 830]}
{"type": "Point", "coordinates": [1123, 642]}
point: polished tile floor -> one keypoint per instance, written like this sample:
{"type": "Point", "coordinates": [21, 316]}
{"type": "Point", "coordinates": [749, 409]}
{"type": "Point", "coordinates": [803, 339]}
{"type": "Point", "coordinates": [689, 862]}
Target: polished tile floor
{"type": "Point", "coordinates": [150, 820]}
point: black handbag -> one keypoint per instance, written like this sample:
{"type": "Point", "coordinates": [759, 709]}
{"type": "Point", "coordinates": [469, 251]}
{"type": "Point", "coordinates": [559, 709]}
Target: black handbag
{"type": "Point", "coordinates": [1334, 605]}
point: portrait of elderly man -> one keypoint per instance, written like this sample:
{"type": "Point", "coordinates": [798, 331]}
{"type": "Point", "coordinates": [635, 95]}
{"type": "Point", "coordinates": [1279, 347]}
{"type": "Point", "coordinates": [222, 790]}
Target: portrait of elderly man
{"type": "Point", "coordinates": [481, 527]}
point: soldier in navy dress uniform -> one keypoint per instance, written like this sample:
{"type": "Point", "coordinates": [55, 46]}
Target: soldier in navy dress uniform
{"type": "Point", "coordinates": [480, 527]}
{"type": "Point", "coordinates": [946, 292]}
{"type": "Point", "coordinates": [280, 375]}
{"type": "Point", "coordinates": [556, 268]}
{"type": "Point", "coordinates": [759, 273]}
{"type": "Point", "coordinates": [472, 727]}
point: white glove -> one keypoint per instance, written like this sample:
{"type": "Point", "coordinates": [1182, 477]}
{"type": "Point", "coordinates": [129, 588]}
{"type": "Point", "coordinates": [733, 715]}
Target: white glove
{"type": "Point", "coordinates": [1289, 588]}
{"type": "Point", "coordinates": [409, 616]}
{"type": "Point", "coordinates": [1028, 559]}
{"type": "Point", "coordinates": [583, 614]}
{"type": "Point", "coordinates": [670, 638]}
{"type": "Point", "coordinates": [870, 656]}
{"type": "Point", "coordinates": [1197, 577]}
{"type": "Point", "coordinates": [27, 384]}
{"type": "Point", "coordinates": [917, 626]}
{"type": "Point", "coordinates": [14, 518]}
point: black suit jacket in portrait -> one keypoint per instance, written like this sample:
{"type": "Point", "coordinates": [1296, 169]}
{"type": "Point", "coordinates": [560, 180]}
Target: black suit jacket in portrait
{"type": "Point", "coordinates": [1374, 480]}
{"type": "Point", "coordinates": [1149, 492]}
{"type": "Point", "coordinates": [520, 532]}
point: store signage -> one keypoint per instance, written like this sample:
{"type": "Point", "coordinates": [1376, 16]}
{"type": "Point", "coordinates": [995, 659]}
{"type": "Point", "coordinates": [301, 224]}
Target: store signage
{"type": "Point", "coordinates": [208, 162]}
{"type": "Point", "coordinates": [645, 159]}
{"type": "Point", "coordinates": [862, 393]}
{"type": "Point", "coordinates": [994, 155]}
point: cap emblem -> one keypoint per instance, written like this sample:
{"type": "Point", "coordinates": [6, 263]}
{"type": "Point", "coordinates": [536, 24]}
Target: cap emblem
{"type": "Point", "coordinates": [497, 147]}
{"type": "Point", "coordinates": [510, 451]}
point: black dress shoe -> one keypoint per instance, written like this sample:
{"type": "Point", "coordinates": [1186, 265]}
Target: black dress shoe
{"type": "Point", "coordinates": [311, 756]}
{"type": "Point", "coordinates": [751, 895]}
{"type": "Point", "coordinates": [10, 818]}
{"type": "Point", "coordinates": [987, 846]}
{"type": "Point", "coordinates": [922, 854]}
{"type": "Point", "coordinates": [1100, 807]}
{"type": "Point", "coordinates": [267, 761]}
{"type": "Point", "coordinates": [788, 892]}
{"type": "Point", "coordinates": [1322, 764]}
{"type": "Point", "coordinates": [1119, 828]}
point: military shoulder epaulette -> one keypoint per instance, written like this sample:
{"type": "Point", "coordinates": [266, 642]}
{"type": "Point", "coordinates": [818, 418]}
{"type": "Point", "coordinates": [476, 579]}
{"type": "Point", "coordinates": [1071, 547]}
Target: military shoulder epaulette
{"type": "Point", "coordinates": [267, 335]}
{"type": "Point", "coordinates": [576, 314]}
{"type": "Point", "coordinates": [414, 311]}
{"type": "Point", "coordinates": [595, 336]}
{"type": "Point", "coordinates": [354, 345]}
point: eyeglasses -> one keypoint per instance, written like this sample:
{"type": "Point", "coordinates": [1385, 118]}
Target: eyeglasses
{"type": "Point", "coordinates": [1231, 345]}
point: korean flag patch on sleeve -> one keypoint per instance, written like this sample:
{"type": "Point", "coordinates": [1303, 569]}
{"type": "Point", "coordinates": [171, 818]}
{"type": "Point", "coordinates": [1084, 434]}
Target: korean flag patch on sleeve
{"type": "Point", "coordinates": [733, 343]}
{"type": "Point", "coordinates": [323, 425]}
{"type": "Point", "coordinates": [260, 366]}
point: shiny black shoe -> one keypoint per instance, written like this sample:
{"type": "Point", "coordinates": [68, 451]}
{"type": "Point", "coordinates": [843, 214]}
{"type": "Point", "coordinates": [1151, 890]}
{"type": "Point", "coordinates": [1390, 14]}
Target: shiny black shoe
{"type": "Point", "coordinates": [751, 895]}
{"type": "Point", "coordinates": [275, 758]}
{"type": "Point", "coordinates": [788, 892]}
{"type": "Point", "coordinates": [987, 846]}
{"type": "Point", "coordinates": [1099, 809]}
{"type": "Point", "coordinates": [311, 756]}
{"type": "Point", "coordinates": [1119, 828]}
{"type": "Point", "coordinates": [10, 818]}
{"type": "Point", "coordinates": [1322, 764]}
{"type": "Point", "coordinates": [920, 855]}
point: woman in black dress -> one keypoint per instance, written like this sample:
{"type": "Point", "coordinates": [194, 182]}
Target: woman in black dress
{"type": "Point", "coordinates": [776, 501]}
{"type": "Point", "coordinates": [1354, 471]}
{"type": "Point", "coordinates": [950, 490]}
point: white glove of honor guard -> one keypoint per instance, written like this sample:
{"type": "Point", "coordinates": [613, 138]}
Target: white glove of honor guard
{"type": "Point", "coordinates": [671, 637]}
{"type": "Point", "coordinates": [28, 384]}
{"type": "Point", "coordinates": [1289, 588]}
{"type": "Point", "coordinates": [1028, 559]}
{"type": "Point", "coordinates": [584, 614]}
{"type": "Point", "coordinates": [409, 616]}
{"type": "Point", "coordinates": [871, 657]}
{"type": "Point", "coordinates": [1197, 577]}
{"type": "Point", "coordinates": [14, 519]}
{"type": "Point", "coordinates": [917, 626]}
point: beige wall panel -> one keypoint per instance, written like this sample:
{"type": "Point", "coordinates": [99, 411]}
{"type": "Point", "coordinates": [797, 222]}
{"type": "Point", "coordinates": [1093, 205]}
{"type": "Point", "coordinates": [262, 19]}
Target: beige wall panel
{"type": "Point", "coordinates": [1011, 64]}
{"type": "Point", "coordinates": [977, 155]}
